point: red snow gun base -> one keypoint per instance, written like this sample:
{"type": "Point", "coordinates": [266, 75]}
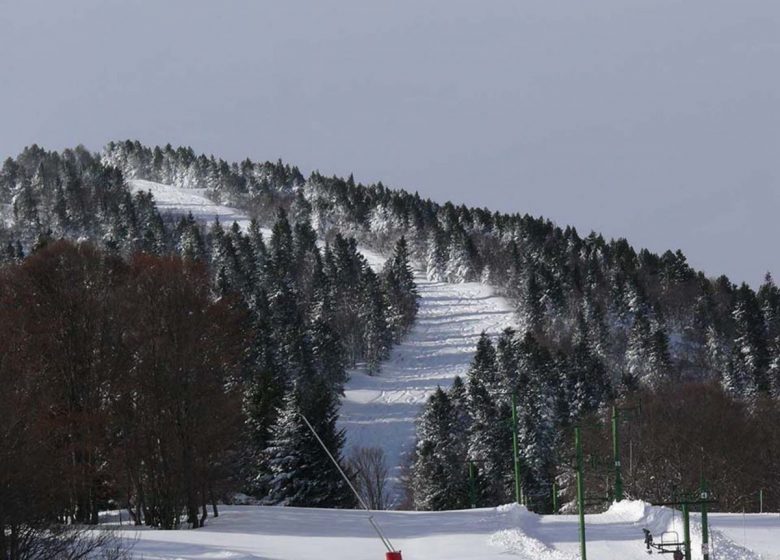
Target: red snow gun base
{"type": "Point", "coordinates": [394, 555]}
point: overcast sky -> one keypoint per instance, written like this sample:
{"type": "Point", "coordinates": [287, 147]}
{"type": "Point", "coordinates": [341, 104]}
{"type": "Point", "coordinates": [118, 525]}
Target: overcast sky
{"type": "Point", "coordinates": [655, 120]}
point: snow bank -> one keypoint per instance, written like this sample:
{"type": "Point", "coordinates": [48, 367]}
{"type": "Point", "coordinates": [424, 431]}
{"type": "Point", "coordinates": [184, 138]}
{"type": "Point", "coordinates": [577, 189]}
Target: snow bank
{"type": "Point", "coordinates": [628, 510]}
{"type": "Point", "coordinates": [659, 519]}
{"type": "Point", "coordinates": [517, 543]}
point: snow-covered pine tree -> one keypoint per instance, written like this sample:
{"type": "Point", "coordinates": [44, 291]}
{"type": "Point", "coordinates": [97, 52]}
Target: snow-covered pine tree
{"type": "Point", "coordinates": [400, 290]}
{"type": "Point", "coordinates": [299, 472]}
{"type": "Point", "coordinates": [438, 479]}
{"type": "Point", "coordinates": [190, 245]}
{"type": "Point", "coordinates": [437, 254]}
{"type": "Point", "coordinates": [259, 253]}
{"type": "Point", "coordinates": [489, 437]}
{"type": "Point", "coordinates": [377, 336]}
{"type": "Point", "coordinates": [536, 419]}
{"type": "Point", "coordinates": [746, 375]}
{"type": "Point", "coordinates": [460, 262]}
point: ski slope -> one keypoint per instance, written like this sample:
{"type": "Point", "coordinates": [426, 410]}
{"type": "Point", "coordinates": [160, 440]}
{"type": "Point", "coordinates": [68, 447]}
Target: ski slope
{"type": "Point", "coordinates": [244, 532]}
{"type": "Point", "coordinates": [177, 202]}
{"type": "Point", "coordinates": [380, 410]}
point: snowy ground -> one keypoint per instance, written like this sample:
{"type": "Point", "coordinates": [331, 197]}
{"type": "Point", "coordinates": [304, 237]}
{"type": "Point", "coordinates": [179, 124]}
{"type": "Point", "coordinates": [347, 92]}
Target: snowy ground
{"type": "Point", "coordinates": [481, 534]}
{"type": "Point", "coordinates": [380, 410]}
{"type": "Point", "coordinates": [177, 202]}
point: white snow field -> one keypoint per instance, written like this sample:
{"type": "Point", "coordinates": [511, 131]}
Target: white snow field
{"type": "Point", "coordinates": [380, 410]}
{"type": "Point", "coordinates": [176, 201]}
{"type": "Point", "coordinates": [243, 532]}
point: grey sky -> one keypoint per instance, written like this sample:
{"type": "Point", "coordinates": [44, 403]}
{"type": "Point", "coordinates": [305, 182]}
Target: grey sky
{"type": "Point", "coordinates": [656, 120]}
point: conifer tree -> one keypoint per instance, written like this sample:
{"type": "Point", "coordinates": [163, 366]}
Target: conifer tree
{"type": "Point", "coordinates": [436, 258]}
{"type": "Point", "coordinates": [746, 374]}
{"type": "Point", "coordinates": [400, 290]}
{"type": "Point", "coordinates": [377, 337]}
{"type": "Point", "coordinates": [488, 435]}
{"type": "Point", "coordinates": [438, 481]}
{"type": "Point", "coordinates": [299, 471]}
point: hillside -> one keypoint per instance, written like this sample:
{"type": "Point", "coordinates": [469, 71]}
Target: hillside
{"type": "Point", "coordinates": [381, 410]}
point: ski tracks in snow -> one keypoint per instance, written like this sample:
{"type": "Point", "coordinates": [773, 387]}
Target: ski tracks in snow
{"type": "Point", "coordinates": [381, 410]}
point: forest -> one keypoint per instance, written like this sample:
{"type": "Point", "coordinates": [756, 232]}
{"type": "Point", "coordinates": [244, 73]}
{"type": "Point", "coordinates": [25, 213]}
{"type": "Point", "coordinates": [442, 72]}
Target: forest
{"type": "Point", "coordinates": [168, 364]}
{"type": "Point", "coordinates": [172, 362]}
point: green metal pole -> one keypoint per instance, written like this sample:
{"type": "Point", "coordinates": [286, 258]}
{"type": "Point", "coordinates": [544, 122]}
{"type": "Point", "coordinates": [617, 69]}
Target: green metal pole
{"type": "Point", "coordinates": [516, 456]}
{"type": "Point", "coordinates": [686, 531]}
{"type": "Point", "coordinates": [555, 497]}
{"type": "Point", "coordinates": [580, 492]}
{"type": "Point", "coordinates": [761, 501]}
{"type": "Point", "coordinates": [616, 454]}
{"type": "Point", "coordinates": [472, 485]}
{"type": "Point", "coordinates": [705, 529]}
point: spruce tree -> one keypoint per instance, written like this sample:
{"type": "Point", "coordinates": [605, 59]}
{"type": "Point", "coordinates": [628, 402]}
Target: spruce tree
{"type": "Point", "coordinates": [747, 374]}
{"type": "Point", "coordinates": [488, 436]}
{"type": "Point", "coordinates": [377, 336]}
{"type": "Point", "coordinates": [438, 478]}
{"type": "Point", "coordinates": [299, 472]}
{"type": "Point", "coordinates": [400, 290]}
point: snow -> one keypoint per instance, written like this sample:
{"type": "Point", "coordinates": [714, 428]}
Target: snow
{"type": "Point", "coordinates": [243, 532]}
{"type": "Point", "coordinates": [758, 532]}
{"type": "Point", "coordinates": [380, 410]}
{"type": "Point", "coordinates": [177, 201]}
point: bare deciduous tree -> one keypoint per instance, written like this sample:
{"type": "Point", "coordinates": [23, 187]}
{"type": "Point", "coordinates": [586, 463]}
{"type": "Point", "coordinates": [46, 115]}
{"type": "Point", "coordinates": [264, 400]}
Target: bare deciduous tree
{"type": "Point", "coordinates": [369, 472]}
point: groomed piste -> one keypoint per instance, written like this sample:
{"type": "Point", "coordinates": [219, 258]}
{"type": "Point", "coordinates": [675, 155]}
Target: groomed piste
{"type": "Point", "coordinates": [243, 532]}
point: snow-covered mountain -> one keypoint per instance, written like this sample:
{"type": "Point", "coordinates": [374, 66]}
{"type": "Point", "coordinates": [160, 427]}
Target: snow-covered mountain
{"type": "Point", "coordinates": [381, 410]}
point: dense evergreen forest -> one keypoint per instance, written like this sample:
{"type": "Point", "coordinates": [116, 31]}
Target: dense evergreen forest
{"type": "Point", "coordinates": [170, 363]}
{"type": "Point", "coordinates": [598, 322]}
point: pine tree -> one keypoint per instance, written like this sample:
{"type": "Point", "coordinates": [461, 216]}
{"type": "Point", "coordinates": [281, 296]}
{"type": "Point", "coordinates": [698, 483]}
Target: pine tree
{"type": "Point", "coordinates": [299, 471]}
{"type": "Point", "coordinates": [460, 263]}
{"type": "Point", "coordinates": [536, 418]}
{"type": "Point", "coordinates": [436, 258]}
{"type": "Point", "coordinates": [438, 481]}
{"type": "Point", "coordinates": [488, 435]}
{"type": "Point", "coordinates": [746, 375]}
{"type": "Point", "coordinates": [190, 246]}
{"type": "Point", "coordinates": [377, 336]}
{"type": "Point", "coordinates": [400, 290]}
{"type": "Point", "coordinates": [647, 355]}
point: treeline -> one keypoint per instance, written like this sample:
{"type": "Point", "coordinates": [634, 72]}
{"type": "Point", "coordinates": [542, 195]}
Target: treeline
{"type": "Point", "coordinates": [72, 195]}
{"type": "Point", "coordinates": [598, 320]}
{"type": "Point", "coordinates": [129, 384]}
{"type": "Point", "coordinates": [650, 318]}
{"type": "Point", "coordinates": [472, 423]}
{"type": "Point", "coordinates": [671, 437]}
{"type": "Point", "coordinates": [293, 318]}
{"type": "Point", "coordinates": [679, 436]}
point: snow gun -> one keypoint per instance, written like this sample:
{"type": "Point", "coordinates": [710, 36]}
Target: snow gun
{"type": "Point", "coordinates": [392, 553]}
